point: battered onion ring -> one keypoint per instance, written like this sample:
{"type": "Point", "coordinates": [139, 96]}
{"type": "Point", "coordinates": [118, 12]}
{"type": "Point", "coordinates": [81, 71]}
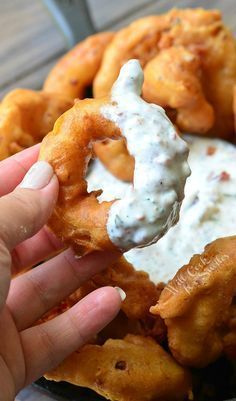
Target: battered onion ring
{"type": "Point", "coordinates": [145, 37]}
{"type": "Point", "coordinates": [26, 116]}
{"type": "Point", "coordinates": [141, 293]}
{"type": "Point", "coordinates": [76, 70]}
{"type": "Point", "coordinates": [134, 316]}
{"type": "Point", "coordinates": [179, 87]}
{"type": "Point", "coordinates": [200, 32]}
{"type": "Point", "coordinates": [116, 158]}
{"type": "Point", "coordinates": [78, 217]}
{"type": "Point", "coordinates": [139, 40]}
{"type": "Point", "coordinates": [147, 211]}
{"type": "Point", "coordinates": [196, 305]}
{"type": "Point", "coordinates": [133, 369]}
{"type": "Point", "coordinates": [215, 46]}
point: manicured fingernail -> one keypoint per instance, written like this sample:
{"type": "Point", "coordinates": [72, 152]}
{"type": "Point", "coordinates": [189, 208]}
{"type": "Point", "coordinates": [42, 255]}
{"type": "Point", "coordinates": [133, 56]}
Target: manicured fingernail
{"type": "Point", "coordinates": [121, 293]}
{"type": "Point", "coordinates": [38, 176]}
{"type": "Point", "coordinates": [77, 257]}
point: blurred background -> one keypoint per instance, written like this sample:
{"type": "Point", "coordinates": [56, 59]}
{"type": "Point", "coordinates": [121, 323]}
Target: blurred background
{"type": "Point", "coordinates": [34, 34]}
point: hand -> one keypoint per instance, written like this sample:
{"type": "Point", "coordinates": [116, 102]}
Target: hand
{"type": "Point", "coordinates": [28, 350]}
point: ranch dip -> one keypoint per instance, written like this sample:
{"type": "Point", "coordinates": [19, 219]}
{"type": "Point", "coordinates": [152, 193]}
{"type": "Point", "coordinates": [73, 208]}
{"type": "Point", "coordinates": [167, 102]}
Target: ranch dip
{"type": "Point", "coordinates": [207, 213]}
{"type": "Point", "coordinates": [151, 205]}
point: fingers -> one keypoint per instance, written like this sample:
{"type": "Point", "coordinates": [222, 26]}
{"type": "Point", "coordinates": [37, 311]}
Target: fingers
{"type": "Point", "coordinates": [46, 345]}
{"type": "Point", "coordinates": [13, 169]}
{"type": "Point", "coordinates": [22, 213]}
{"type": "Point", "coordinates": [25, 210]}
{"type": "Point", "coordinates": [38, 290]}
{"type": "Point", "coordinates": [5, 272]}
{"type": "Point", "coordinates": [42, 245]}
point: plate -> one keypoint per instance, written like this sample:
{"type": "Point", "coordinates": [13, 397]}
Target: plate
{"type": "Point", "coordinates": [68, 391]}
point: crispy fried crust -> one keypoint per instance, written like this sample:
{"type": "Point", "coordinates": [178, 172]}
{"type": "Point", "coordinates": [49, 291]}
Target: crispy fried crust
{"type": "Point", "coordinates": [116, 158]}
{"type": "Point", "coordinates": [196, 305]}
{"type": "Point", "coordinates": [143, 39]}
{"type": "Point", "coordinates": [26, 116]}
{"type": "Point", "coordinates": [200, 32]}
{"type": "Point", "coordinates": [133, 369]}
{"type": "Point", "coordinates": [179, 87]}
{"type": "Point", "coordinates": [78, 218]}
{"type": "Point", "coordinates": [148, 366]}
{"type": "Point", "coordinates": [190, 67]}
{"type": "Point", "coordinates": [138, 40]}
{"type": "Point", "coordinates": [141, 293]}
{"type": "Point", "coordinates": [214, 45]}
{"type": "Point", "coordinates": [134, 317]}
{"type": "Point", "coordinates": [75, 71]}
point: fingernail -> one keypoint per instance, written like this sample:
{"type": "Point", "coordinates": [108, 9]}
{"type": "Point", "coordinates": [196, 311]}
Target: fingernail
{"type": "Point", "coordinates": [121, 293]}
{"type": "Point", "coordinates": [38, 176]}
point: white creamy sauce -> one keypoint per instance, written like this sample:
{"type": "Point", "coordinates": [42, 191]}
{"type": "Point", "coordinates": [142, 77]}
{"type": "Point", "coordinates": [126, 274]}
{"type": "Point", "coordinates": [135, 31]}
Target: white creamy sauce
{"type": "Point", "coordinates": [151, 205]}
{"type": "Point", "coordinates": [208, 209]}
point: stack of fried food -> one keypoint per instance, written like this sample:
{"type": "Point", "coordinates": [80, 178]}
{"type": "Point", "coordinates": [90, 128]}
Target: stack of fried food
{"type": "Point", "coordinates": [189, 62]}
{"type": "Point", "coordinates": [146, 355]}
{"type": "Point", "coordinates": [164, 330]}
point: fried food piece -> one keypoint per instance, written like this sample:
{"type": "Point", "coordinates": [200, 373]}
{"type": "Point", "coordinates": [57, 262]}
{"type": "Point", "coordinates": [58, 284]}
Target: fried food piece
{"type": "Point", "coordinates": [78, 218]}
{"type": "Point", "coordinates": [116, 158]}
{"type": "Point", "coordinates": [204, 104]}
{"type": "Point", "coordinates": [229, 340]}
{"type": "Point", "coordinates": [141, 293]}
{"type": "Point", "coordinates": [75, 71]}
{"type": "Point", "coordinates": [199, 31]}
{"type": "Point", "coordinates": [139, 40]}
{"type": "Point", "coordinates": [133, 369]}
{"type": "Point", "coordinates": [196, 303]}
{"type": "Point", "coordinates": [153, 327]}
{"type": "Point", "coordinates": [134, 317]}
{"type": "Point", "coordinates": [118, 328]}
{"type": "Point", "coordinates": [26, 116]}
{"type": "Point", "coordinates": [213, 43]}
{"type": "Point", "coordinates": [149, 209]}
{"type": "Point", "coordinates": [179, 87]}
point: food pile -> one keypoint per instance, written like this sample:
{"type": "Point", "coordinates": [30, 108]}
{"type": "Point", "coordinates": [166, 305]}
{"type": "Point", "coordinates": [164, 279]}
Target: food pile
{"type": "Point", "coordinates": [166, 333]}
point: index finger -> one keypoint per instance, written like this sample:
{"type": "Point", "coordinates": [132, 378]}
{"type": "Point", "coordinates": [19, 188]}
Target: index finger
{"type": "Point", "coordinates": [14, 168]}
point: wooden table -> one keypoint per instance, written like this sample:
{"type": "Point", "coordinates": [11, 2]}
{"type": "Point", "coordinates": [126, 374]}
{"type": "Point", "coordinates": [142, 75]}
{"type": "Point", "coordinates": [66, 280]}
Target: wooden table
{"type": "Point", "coordinates": [31, 42]}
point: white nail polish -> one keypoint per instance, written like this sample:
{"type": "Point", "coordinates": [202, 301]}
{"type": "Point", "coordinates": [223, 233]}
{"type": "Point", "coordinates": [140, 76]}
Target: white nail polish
{"type": "Point", "coordinates": [77, 257]}
{"type": "Point", "coordinates": [38, 176]}
{"type": "Point", "coordinates": [121, 293]}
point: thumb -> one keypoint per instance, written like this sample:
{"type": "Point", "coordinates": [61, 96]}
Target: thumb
{"type": "Point", "coordinates": [24, 211]}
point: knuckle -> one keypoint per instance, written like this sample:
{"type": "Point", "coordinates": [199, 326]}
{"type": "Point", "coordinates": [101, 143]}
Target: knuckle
{"type": "Point", "coordinates": [29, 206]}
{"type": "Point", "coordinates": [20, 216]}
{"type": "Point", "coordinates": [72, 264]}
{"type": "Point", "coordinates": [38, 291]}
{"type": "Point", "coordinates": [47, 346]}
{"type": "Point", "coordinates": [75, 328]}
